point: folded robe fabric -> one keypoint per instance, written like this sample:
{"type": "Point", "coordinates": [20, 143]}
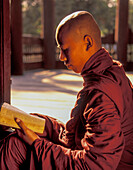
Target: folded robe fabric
{"type": "Point", "coordinates": [99, 134]}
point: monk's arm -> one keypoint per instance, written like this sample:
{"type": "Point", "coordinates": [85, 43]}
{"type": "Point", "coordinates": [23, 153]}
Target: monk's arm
{"type": "Point", "coordinates": [52, 130]}
{"type": "Point", "coordinates": [102, 143]}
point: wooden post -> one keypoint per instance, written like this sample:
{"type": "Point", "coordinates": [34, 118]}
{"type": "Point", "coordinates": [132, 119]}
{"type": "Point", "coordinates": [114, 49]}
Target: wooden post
{"type": "Point", "coordinates": [48, 34]}
{"type": "Point", "coordinates": [16, 38]}
{"type": "Point", "coordinates": [121, 30]}
{"type": "Point", "coordinates": [4, 52]}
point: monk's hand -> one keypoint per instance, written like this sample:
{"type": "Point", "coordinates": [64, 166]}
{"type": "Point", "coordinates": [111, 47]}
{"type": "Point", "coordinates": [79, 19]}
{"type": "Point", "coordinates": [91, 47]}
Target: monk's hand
{"type": "Point", "coordinates": [25, 133]}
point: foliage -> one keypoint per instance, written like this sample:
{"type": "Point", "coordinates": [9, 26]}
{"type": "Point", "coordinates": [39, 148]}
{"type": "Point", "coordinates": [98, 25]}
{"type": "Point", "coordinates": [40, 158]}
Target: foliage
{"type": "Point", "coordinates": [103, 11]}
{"type": "Point", "coordinates": [31, 17]}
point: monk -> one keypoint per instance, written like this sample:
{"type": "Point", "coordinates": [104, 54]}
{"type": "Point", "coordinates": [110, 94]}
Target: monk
{"type": "Point", "coordinates": [99, 134]}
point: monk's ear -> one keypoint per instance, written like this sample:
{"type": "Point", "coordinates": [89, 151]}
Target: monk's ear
{"type": "Point", "coordinates": [88, 42]}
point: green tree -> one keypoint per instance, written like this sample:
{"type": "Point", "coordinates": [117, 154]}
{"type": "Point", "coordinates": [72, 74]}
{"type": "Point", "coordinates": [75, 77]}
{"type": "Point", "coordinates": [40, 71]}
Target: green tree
{"type": "Point", "coordinates": [102, 10]}
{"type": "Point", "coordinates": [62, 8]}
{"type": "Point", "coordinates": [31, 17]}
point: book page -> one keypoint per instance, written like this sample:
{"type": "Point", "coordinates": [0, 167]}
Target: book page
{"type": "Point", "coordinates": [9, 112]}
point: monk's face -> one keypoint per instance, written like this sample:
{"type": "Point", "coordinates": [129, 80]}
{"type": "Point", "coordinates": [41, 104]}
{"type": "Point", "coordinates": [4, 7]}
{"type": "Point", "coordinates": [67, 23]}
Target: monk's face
{"type": "Point", "coordinates": [78, 37]}
{"type": "Point", "coordinates": [72, 51]}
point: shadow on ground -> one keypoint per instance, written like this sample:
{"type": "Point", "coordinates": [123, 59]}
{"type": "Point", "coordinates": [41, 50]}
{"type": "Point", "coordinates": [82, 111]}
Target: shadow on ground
{"type": "Point", "coordinates": [48, 80]}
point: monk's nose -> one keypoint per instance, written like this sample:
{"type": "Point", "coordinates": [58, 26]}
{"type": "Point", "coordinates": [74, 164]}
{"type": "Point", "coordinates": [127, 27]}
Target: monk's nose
{"type": "Point", "coordinates": [62, 57]}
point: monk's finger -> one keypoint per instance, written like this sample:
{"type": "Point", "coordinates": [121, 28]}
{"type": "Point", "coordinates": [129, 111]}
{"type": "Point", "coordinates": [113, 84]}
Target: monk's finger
{"type": "Point", "coordinates": [21, 124]}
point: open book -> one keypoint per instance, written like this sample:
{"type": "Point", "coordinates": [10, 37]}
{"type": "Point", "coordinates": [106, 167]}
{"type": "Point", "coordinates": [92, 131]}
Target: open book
{"type": "Point", "coordinates": [9, 112]}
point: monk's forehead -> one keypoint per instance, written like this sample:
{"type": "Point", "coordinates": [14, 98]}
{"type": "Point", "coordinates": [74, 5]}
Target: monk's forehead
{"type": "Point", "coordinates": [68, 34]}
{"type": "Point", "coordinates": [72, 30]}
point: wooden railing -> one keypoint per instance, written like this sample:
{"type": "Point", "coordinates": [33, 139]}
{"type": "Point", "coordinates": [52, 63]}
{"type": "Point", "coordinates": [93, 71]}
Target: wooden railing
{"type": "Point", "coordinates": [33, 51]}
{"type": "Point", "coordinates": [130, 48]}
{"type": "Point", "coordinates": [108, 43]}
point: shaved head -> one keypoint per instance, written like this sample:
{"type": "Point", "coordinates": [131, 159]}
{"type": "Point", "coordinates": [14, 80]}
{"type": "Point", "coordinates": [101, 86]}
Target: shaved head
{"type": "Point", "coordinates": [79, 24]}
{"type": "Point", "coordinates": [78, 37]}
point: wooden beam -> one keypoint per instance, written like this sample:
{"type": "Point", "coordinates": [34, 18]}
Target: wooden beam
{"type": "Point", "coordinates": [16, 38]}
{"type": "Point", "coordinates": [5, 52]}
{"type": "Point", "coordinates": [48, 34]}
{"type": "Point", "coordinates": [121, 30]}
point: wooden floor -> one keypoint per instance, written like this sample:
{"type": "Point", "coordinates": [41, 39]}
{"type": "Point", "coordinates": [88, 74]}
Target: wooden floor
{"type": "Point", "coordinates": [50, 92]}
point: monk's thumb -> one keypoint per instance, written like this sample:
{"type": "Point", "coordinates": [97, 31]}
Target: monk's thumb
{"type": "Point", "coordinates": [20, 124]}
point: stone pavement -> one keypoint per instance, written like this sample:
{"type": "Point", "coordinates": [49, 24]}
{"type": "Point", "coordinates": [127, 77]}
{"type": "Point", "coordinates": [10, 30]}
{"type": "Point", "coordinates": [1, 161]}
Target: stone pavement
{"type": "Point", "coordinates": [50, 92]}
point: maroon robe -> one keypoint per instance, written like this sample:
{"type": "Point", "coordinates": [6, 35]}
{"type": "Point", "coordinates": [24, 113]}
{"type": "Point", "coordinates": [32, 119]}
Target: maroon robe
{"type": "Point", "coordinates": [99, 134]}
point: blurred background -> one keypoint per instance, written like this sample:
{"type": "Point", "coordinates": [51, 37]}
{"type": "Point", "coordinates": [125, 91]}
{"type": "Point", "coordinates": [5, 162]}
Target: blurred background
{"type": "Point", "coordinates": [104, 12]}
{"type": "Point", "coordinates": [31, 75]}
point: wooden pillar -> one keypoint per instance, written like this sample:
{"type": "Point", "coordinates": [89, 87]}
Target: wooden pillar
{"type": "Point", "coordinates": [16, 38]}
{"type": "Point", "coordinates": [48, 34]}
{"type": "Point", "coordinates": [121, 30]}
{"type": "Point", "coordinates": [4, 52]}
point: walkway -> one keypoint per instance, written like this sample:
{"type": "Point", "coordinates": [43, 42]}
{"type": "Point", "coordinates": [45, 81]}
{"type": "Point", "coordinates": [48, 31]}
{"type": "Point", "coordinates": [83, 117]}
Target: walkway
{"type": "Point", "coordinates": [50, 92]}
